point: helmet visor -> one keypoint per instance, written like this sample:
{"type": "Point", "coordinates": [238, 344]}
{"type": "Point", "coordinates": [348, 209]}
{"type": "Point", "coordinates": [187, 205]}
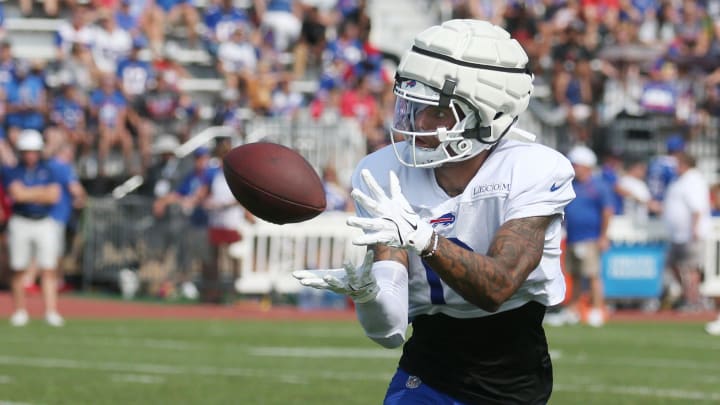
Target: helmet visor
{"type": "Point", "coordinates": [417, 110]}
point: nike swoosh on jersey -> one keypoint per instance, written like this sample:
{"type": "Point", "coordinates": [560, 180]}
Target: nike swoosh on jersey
{"type": "Point", "coordinates": [554, 187]}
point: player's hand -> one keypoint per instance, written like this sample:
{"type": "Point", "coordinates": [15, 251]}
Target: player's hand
{"type": "Point", "coordinates": [394, 222]}
{"type": "Point", "coordinates": [356, 282]}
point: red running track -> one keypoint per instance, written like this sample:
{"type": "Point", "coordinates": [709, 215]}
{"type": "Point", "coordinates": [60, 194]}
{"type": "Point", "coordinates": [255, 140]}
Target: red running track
{"type": "Point", "coordinates": [79, 307]}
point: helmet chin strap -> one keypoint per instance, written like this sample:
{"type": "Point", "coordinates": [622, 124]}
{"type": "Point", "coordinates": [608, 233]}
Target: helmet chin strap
{"type": "Point", "coordinates": [481, 133]}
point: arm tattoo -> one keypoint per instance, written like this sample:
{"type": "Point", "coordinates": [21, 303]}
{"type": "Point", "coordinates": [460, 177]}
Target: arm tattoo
{"type": "Point", "coordinates": [489, 280]}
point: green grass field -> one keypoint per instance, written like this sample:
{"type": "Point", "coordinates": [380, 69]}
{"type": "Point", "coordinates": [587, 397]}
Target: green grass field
{"type": "Point", "coordinates": [310, 362]}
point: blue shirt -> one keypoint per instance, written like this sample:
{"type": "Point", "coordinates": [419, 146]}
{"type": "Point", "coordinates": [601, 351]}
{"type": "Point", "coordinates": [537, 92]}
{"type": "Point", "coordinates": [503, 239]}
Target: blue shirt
{"type": "Point", "coordinates": [134, 75]}
{"type": "Point", "coordinates": [610, 177]}
{"type": "Point", "coordinates": [108, 106]}
{"type": "Point", "coordinates": [65, 175]}
{"type": "Point", "coordinates": [126, 21]}
{"type": "Point", "coordinates": [41, 175]}
{"type": "Point", "coordinates": [348, 51]}
{"type": "Point", "coordinates": [29, 91]}
{"type": "Point", "coordinates": [67, 112]}
{"type": "Point", "coordinates": [583, 216]}
{"type": "Point", "coordinates": [7, 72]}
{"type": "Point", "coordinates": [661, 171]}
{"type": "Point", "coordinates": [167, 5]}
{"type": "Point", "coordinates": [280, 5]}
{"type": "Point", "coordinates": [659, 97]}
{"type": "Point", "coordinates": [190, 185]}
{"type": "Point", "coordinates": [223, 22]}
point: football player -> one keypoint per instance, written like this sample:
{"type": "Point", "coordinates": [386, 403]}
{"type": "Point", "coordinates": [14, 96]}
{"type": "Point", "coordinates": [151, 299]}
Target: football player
{"type": "Point", "coordinates": [462, 216]}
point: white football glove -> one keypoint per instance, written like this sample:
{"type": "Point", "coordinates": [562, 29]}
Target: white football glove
{"type": "Point", "coordinates": [356, 282]}
{"type": "Point", "coordinates": [395, 223]}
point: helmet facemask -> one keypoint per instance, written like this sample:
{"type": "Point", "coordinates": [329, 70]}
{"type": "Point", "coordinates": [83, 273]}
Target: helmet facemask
{"type": "Point", "coordinates": [477, 71]}
{"type": "Point", "coordinates": [421, 112]}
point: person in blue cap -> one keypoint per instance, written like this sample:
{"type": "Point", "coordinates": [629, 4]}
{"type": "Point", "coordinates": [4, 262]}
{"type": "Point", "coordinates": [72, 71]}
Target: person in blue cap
{"type": "Point", "coordinates": [663, 169]}
{"type": "Point", "coordinates": [188, 198]}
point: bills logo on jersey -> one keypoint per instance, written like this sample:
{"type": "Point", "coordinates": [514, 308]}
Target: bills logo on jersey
{"type": "Point", "coordinates": [410, 84]}
{"type": "Point", "coordinates": [445, 220]}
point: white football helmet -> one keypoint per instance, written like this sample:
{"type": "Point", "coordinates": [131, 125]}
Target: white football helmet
{"type": "Point", "coordinates": [477, 76]}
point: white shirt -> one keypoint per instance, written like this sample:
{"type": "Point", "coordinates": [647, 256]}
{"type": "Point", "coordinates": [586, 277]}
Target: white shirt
{"type": "Point", "coordinates": [686, 195]}
{"type": "Point", "coordinates": [517, 180]}
{"type": "Point", "coordinates": [220, 194]}
{"type": "Point", "coordinates": [70, 35]}
{"type": "Point", "coordinates": [109, 47]}
{"type": "Point", "coordinates": [635, 204]}
{"type": "Point", "coordinates": [236, 57]}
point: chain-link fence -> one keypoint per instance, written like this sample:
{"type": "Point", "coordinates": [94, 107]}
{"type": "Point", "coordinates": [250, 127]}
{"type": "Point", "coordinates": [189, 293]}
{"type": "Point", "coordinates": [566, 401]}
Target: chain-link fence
{"type": "Point", "coordinates": [161, 253]}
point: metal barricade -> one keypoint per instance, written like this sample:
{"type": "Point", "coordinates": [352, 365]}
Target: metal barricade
{"type": "Point", "coordinates": [124, 234]}
{"type": "Point", "coordinates": [113, 232]}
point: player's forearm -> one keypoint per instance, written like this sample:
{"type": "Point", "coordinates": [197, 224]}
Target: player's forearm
{"type": "Point", "coordinates": [489, 280]}
{"type": "Point", "coordinates": [479, 279]}
{"type": "Point", "coordinates": [385, 318]}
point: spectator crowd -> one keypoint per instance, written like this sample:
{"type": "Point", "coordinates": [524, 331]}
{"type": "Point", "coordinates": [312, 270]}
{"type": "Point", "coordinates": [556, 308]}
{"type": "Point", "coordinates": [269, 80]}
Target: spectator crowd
{"type": "Point", "coordinates": [115, 83]}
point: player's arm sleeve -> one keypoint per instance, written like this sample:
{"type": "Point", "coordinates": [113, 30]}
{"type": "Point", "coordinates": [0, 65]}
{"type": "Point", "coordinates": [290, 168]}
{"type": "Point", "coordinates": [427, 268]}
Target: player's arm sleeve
{"type": "Point", "coordinates": [544, 189]}
{"type": "Point", "coordinates": [385, 318]}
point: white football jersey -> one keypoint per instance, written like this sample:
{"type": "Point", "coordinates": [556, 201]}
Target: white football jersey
{"type": "Point", "coordinates": [518, 179]}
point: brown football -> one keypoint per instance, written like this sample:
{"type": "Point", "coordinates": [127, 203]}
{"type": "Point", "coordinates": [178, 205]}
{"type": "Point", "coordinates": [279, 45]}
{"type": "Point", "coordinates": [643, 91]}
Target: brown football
{"type": "Point", "coordinates": [274, 182]}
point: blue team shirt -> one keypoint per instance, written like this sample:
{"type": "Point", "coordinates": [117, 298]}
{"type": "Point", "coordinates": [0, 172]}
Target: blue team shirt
{"type": "Point", "coordinates": [7, 73]}
{"type": "Point", "coordinates": [67, 112]}
{"type": "Point", "coordinates": [280, 5]}
{"type": "Point", "coordinates": [108, 105]}
{"type": "Point", "coordinates": [28, 91]}
{"type": "Point", "coordinates": [65, 175]}
{"type": "Point", "coordinates": [189, 185]}
{"type": "Point", "coordinates": [41, 175]}
{"type": "Point", "coordinates": [167, 5]}
{"type": "Point", "coordinates": [661, 171]}
{"type": "Point", "coordinates": [583, 216]}
{"type": "Point", "coordinates": [223, 22]}
{"type": "Point", "coordinates": [347, 51]}
{"type": "Point", "coordinates": [126, 21]}
{"type": "Point", "coordinates": [610, 177]}
{"type": "Point", "coordinates": [134, 75]}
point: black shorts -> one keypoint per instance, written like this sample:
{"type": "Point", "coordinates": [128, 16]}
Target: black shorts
{"type": "Point", "coordinates": [499, 359]}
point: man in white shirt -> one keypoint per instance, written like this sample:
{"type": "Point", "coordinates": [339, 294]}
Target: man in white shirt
{"type": "Point", "coordinates": [637, 199]}
{"type": "Point", "coordinates": [74, 31]}
{"type": "Point", "coordinates": [686, 212]}
{"type": "Point", "coordinates": [463, 224]}
{"type": "Point", "coordinates": [110, 44]}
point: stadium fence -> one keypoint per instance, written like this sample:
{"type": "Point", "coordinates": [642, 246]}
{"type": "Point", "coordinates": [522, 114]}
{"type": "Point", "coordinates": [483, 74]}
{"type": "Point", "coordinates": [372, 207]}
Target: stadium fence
{"type": "Point", "coordinates": [123, 234]}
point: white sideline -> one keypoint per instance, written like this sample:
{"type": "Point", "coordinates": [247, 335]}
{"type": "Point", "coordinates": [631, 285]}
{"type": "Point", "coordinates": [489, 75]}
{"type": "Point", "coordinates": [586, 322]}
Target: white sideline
{"type": "Point", "coordinates": [148, 368]}
{"type": "Point", "coordinates": [170, 369]}
{"type": "Point", "coordinates": [137, 378]}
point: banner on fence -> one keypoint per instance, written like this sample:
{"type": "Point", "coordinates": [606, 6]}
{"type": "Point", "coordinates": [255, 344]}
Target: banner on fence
{"type": "Point", "coordinates": [633, 270]}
